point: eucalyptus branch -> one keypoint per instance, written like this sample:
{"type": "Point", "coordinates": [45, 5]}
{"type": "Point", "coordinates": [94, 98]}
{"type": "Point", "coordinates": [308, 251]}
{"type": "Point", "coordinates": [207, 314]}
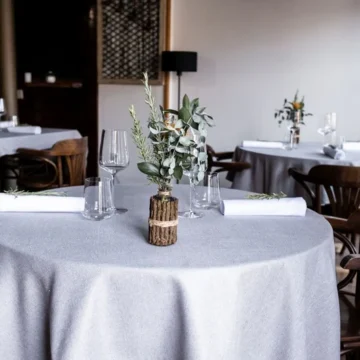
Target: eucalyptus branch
{"type": "Point", "coordinates": [171, 148]}
{"type": "Point", "coordinates": [267, 196]}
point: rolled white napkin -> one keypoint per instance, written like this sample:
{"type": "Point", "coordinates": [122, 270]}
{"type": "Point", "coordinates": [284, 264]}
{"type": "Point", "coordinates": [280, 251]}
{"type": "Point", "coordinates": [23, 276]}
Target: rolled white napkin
{"type": "Point", "coordinates": [6, 124]}
{"type": "Point", "coordinates": [25, 129]}
{"type": "Point", "coordinates": [348, 146]}
{"type": "Point", "coordinates": [272, 207]}
{"type": "Point", "coordinates": [334, 153]}
{"type": "Point", "coordinates": [39, 203]}
{"type": "Point", "coordinates": [263, 144]}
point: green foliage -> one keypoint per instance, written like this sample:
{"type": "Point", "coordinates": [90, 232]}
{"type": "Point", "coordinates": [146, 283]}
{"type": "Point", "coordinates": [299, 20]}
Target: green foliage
{"type": "Point", "coordinates": [170, 149]}
{"type": "Point", "coordinates": [292, 111]}
{"type": "Point", "coordinates": [17, 193]}
{"type": "Point", "coordinates": [267, 196]}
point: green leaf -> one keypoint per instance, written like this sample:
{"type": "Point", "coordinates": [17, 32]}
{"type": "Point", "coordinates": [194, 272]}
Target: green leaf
{"type": "Point", "coordinates": [148, 169]}
{"type": "Point", "coordinates": [173, 163]}
{"type": "Point", "coordinates": [194, 105]}
{"type": "Point", "coordinates": [178, 172]}
{"type": "Point", "coordinates": [196, 118]}
{"type": "Point", "coordinates": [202, 156]}
{"type": "Point", "coordinates": [181, 150]}
{"type": "Point", "coordinates": [185, 141]}
{"type": "Point", "coordinates": [154, 131]}
{"type": "Point", "coordinates": [186, 102]}
{"type": "Point", "coordinates": [178, 124]}
{"type": "Point", "coordinates": [200, 175]}
{"type": "Point", "coordinates": [167, 162]}
{"type": "Point", "coordinates": [184, 114]}
{"type": "Point", "coordinates": [169, 111]}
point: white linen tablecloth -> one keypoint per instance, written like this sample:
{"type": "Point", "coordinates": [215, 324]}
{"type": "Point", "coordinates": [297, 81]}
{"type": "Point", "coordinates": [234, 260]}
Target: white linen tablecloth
{"type": "Point", "coordinates": [252, 288]}
{"type": "Point", "coordinates": [269, 168]}
{"type": "Point", "coordinates": [10, 142]}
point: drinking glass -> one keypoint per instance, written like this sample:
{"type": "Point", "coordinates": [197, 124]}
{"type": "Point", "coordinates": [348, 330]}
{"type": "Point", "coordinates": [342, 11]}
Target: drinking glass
{"type": "Point", "coordinates": [329, 129]}
{"type": "Point", "coordinates": [114, 153]}
{"type": "Point", "coordinates": [99, 203]}
{"type": "Point", "coordinates": [340, 142]}
{"type": "Point", "coordinates": [207, 193]}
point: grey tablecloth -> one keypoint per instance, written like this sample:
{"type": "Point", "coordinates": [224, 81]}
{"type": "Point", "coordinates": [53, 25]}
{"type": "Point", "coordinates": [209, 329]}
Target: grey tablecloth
{"type": "Point", "coordinates": [252, 288]}
{"type": "Point", "coordinates": [10, 142]}
{"type": "Point", "coordinates": [269, 168]}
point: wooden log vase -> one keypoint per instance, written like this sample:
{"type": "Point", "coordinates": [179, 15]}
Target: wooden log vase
{"type": "Point", "coordinates": [163, 219]}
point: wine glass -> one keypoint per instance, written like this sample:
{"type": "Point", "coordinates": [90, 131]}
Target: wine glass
{"type": "Point", "coordinates": [192, 173]}
{"type": "Point", "coordinates": [329, 128]}
{"type": "Point", "coordinates": [114, 153]}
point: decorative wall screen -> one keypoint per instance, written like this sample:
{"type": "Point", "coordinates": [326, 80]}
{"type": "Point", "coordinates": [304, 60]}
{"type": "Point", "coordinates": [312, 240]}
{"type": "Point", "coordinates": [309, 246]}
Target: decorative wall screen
{"type": "Point", "coordinates": [130, 40]}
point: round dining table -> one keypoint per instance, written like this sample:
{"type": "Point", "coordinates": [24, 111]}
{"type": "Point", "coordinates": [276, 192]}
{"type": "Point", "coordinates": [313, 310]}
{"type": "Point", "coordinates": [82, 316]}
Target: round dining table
{"type": "Point", "coordinates": [269, 168]}
{"type": "Point", "coordinates": [240, 287]}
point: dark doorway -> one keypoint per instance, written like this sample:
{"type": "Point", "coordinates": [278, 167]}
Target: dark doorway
{"type": "Point", "coordinates": [59, 36]}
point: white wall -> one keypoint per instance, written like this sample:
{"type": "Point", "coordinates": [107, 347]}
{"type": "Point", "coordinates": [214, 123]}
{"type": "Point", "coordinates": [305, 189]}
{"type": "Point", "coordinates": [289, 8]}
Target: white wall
{"type": "Point", "coordinates": [252, 54]}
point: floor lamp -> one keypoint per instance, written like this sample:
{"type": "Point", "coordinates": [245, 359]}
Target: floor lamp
{"type": "Point", "coordinates": [179, 61]}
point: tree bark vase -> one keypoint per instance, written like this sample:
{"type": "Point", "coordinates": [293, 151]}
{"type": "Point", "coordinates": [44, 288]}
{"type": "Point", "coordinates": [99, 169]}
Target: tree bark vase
{"type": "Point", "coordinates": [163, 219]}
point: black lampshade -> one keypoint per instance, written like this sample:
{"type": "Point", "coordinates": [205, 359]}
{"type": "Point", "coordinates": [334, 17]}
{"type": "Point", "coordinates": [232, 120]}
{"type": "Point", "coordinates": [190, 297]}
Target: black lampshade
{"type": "Point", "coordinates": [179, 61]}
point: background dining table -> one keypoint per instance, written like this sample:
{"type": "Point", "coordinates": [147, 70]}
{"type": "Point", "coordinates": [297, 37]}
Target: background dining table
{"type": "Point", "coordinates": [269, 168]}
{"type": "Point", "coordinates": [254, 288]}
{"type": "Point", "coordinates": [10, 142]}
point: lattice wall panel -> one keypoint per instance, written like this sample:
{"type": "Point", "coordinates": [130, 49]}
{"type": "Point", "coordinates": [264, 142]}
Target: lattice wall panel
{"type": "Point", "coordinates": [130, 34]}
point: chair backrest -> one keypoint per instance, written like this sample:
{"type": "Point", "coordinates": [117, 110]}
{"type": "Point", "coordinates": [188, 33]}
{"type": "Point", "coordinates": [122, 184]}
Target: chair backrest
{"type": "Point", "coordinates": [210, 156]}
{"type": "Point", "coordinates": [342, 186]}
{"type": "Point", "coordinates": [74, 152]}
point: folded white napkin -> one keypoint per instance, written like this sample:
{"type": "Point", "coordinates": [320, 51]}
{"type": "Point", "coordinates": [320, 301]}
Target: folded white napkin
{"type": "Point", "coordinates": [39, 203]}
{"type": "Point", "coordinates": [272, 207]}
{"type": "Point", "coordinates": [6, 124]}
{"type": "Point", "coordinates": [334, 153]}
{"type": "Point", "coordinates": [348, 146]}
{"type": "Point", "coordinates": [25, 129]}
{"type": "Point", "coordinates": [263, 144]}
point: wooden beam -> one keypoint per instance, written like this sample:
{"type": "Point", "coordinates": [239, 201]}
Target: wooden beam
{"type": "Point", "coordinates": [7, 57]}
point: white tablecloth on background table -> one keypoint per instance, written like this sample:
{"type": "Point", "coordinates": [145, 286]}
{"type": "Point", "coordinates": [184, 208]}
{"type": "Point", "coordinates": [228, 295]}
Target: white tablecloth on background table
{"type": "Point", "coordinates": [269, 168]}
{"type": "Point", "coordinates": [10, 142]}
{"type": "Point", "coordinates": [252, 288]}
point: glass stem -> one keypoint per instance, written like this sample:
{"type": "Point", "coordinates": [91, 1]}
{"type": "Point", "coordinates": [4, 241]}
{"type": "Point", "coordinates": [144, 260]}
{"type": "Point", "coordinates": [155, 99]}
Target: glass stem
{"type": "Point", "coordinates": [191, 190]}
{"type": "Point", "coordinates": [113, 175]}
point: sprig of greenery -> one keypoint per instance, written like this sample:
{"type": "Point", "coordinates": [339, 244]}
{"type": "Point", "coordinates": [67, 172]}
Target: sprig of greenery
{"type": "Point", "coordinates": [172, 149]}
{"type": "Point", "coordinates": [290, 109]}
{"type": "Point", "coordinates": [139, 138]}
{"type": "Point", "coordinates": [17, 192]}
{"type": "Point", "coordinates": [267, 196]}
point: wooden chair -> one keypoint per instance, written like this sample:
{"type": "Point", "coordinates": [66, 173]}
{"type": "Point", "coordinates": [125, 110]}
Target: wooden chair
{"type": "Point", "coordinates": [342, 186]}
{"type": "Point", "coordinates": [62, 165]}
{"type": "Point", "coordinates": [215, 160]}
{"type": "Point", "coordinates": [350, 302]}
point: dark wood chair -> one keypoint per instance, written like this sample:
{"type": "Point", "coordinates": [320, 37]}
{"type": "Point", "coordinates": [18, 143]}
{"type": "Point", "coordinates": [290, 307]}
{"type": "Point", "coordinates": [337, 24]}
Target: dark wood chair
{"type": "Point", "coordinates": [350, 301]}
{"type": "Point", "coordinates": [342, 186]}
{"type": "Point", "coordinates": [62, 165]}
{"type": "Point", "coordinates": [216, 160]}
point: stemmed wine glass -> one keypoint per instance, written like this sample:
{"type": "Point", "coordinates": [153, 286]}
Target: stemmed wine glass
{"type": "Point", "coordinates": [114, 153]}
{"type": "Point", "coordinates": [192, 173]}
{"type": "Point", "coordinates": [329, 128]}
